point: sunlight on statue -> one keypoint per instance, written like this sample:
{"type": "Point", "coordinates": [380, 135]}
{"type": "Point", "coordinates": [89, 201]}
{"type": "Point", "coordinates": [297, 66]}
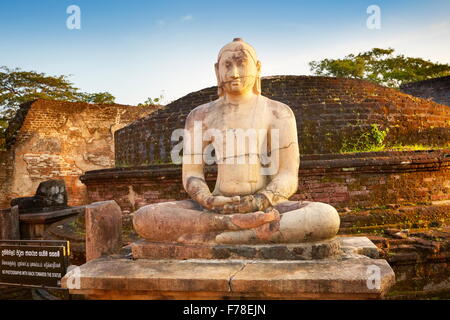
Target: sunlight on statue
{"type": "Point", "coordinates": [249, 204]}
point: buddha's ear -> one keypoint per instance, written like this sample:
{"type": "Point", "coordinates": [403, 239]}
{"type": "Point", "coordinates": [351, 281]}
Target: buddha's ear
{"type": "Point", "coordinates": [257, 86]}
{"type": "Point", "coordinates": [219, 85]}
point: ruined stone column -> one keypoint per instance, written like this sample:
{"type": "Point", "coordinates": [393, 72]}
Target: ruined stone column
{"type": "Point", "coordinates": [9, 224]}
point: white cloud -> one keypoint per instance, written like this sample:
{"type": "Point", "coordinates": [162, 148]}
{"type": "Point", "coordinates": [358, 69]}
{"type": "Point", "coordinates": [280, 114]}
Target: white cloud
{"type": "Point", "coordinates": [187, 17]}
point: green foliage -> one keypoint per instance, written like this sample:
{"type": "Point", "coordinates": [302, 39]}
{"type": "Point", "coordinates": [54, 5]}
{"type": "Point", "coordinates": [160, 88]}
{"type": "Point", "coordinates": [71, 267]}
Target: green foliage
{"type": "Point", "coordinates": [100, 97]}
{"type": "Point", "coordinates": [152, 101]}
{"type": "Point", "coordinates": [417, 147]}
{"type": "Point", "coordinates": [17, 87]}
{"type": "Point", "coordinates": [380, 66]}
{"type": "Point", "coordinates": [370, 141]}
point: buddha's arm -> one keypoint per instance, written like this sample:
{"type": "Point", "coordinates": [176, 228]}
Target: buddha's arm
{"type": "Point", "coordinates": [284, 182]}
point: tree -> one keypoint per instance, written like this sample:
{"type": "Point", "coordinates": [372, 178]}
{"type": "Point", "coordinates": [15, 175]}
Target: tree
{"type": "Point", "coordinates": [152, 101]}
{"type": "Point", "coordinates": [17, 87]}
{"type": "Point", "coordinates": [100, 97]}
{"type": "Point", "coordinates": [380, 66]}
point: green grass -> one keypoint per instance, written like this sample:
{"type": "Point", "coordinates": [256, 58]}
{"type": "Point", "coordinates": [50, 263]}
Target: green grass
{"type": "Point", "coordinates": [373, 141]}
{"type": "Point", "coordinates": [416, 147]}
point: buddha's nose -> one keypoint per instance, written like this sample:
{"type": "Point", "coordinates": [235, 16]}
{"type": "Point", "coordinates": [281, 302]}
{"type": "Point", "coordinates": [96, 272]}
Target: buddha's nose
{"type": "Point", "coordinates": [234, 72]}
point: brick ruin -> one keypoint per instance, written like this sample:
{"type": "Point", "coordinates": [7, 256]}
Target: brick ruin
{"type": "Point", "coordinates": [55, 139]}
{"type": "Point", "coordinates": [437, 89]}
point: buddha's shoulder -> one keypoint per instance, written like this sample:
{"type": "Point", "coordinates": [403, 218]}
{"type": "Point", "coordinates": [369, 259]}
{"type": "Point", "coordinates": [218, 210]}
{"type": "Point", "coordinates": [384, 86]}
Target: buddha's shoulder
{"type": "Point", "coordinates": [279, 109]}
{"type": "Point", "coordinates": [200, 112]}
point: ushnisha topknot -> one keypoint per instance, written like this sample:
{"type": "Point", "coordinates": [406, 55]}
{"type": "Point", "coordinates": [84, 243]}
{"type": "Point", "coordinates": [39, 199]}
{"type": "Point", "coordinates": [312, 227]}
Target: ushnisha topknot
{"type": "Point", "coordinates": [238, 44]}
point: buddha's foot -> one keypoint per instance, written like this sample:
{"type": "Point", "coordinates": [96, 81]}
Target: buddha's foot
{"type": "Point", "coordinates": [203, 238]}
{"type": "Point", "coordinates": [269, 232]}
{"type": "Point", "coordinates": [253, 219]}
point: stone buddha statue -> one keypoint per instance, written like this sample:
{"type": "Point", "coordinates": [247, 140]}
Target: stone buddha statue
{"type": "Point", "coordinates": [254, 143]}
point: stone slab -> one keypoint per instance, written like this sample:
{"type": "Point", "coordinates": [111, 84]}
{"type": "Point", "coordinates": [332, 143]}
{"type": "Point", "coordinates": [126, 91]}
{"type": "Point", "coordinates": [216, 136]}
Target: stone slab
{"type": "Point", "coordinates": [315, 279]}
{"type": "Point", "coordinates": [9, 224]}
{"type": "Point", "coordinates": [33, 225]}
{"type": "Point", "coordinates": [120, 278]}
{"type": "Point", "coordinates": [51, 216]}
{"type": "Point", "coordinates": [359, 245]}
{"type": "Point", "coordinates": [299, 251]}
{"type": "Point", "coordinates": [103, 229]}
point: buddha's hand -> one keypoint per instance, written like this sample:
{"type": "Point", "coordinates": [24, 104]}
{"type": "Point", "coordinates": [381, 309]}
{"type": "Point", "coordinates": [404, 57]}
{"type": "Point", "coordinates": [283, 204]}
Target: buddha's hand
{"type": "Point", "coordinates": [216, 203]}
{"type": "Point", "coordinates": [249, 203]}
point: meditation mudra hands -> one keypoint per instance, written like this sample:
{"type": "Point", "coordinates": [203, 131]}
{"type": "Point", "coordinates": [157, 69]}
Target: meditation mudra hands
{"type": "Point", "coordinates": [237, 204]}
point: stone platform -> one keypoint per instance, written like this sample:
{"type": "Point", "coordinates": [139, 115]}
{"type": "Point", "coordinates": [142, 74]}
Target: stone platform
{"type": "Point", "coordinates": [349, 275]}
{"type": "Point", "coordinates": [299, 251]}
{"type": "Point", "coordinates": [33, 225]}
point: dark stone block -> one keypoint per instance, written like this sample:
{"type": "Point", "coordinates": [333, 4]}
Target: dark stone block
{"type": "Point", "coordinates": [276, 252]}
{"type": "Point", "coordinates": [50, 195]}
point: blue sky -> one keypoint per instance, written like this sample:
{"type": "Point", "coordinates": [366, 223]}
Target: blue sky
{"type": "Point", "coordinates": [138, 49]}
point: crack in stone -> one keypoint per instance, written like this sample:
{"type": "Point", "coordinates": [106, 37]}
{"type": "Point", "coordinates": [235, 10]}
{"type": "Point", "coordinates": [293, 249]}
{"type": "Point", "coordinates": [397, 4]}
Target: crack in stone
{"type": "Point", "coordinates": [290, 144]}
{"type": "Point", "coordinates": [230, 287]}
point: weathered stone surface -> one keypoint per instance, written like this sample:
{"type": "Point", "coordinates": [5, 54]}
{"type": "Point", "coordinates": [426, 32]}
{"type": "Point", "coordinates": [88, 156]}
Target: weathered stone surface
{"type": "Point", "coordinates": [50, 195]}
{"type": "Point", "coordinates": [33, 225]}
{"type": "Point", "coordinates": [118, 278]}
{"type": "Point", "coordinates": [359, 245]}
{"type": "Point", "coordinates": [103, 229]}
{"type": "Point", "coordinates": [318, 279]}
{"type": "Point", "coordinates": [299, 251]}
{"type": "Point", "coordinates": [9, 224]}
{"type": "Point", "coordinates": [156, 275]}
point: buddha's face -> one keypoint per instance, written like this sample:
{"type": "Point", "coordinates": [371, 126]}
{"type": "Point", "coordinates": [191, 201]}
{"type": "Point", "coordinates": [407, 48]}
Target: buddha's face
{"type": "Point", "coordinates": [237, 72]}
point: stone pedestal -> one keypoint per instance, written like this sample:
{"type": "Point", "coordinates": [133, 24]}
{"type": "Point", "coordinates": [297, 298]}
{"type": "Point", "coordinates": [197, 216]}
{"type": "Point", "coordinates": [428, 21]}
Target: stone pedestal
{"type": "Point", "coordinates": [299, 251]}
{"type": "Point", "coordinates": [348, 275]}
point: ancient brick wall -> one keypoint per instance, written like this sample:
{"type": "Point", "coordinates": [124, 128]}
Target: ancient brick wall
{"type": "Point", "coordinates": [54, 139]}
{"type": "Point", "coordinates": [353, 180]}
{"type": "Point", "coordinates": [6, 171]}
{"type": "Point", "coordinates": [329, 112]}
{"type": "Point", "coordinates": [437, 89]}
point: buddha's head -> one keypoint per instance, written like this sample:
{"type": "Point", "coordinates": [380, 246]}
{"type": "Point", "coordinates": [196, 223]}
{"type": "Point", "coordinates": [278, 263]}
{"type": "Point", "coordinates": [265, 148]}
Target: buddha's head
{"type": "Point", "coordinates": [238, 69]}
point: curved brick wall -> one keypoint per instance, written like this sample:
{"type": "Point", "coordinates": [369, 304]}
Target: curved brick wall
{"type": "Point", "coordinates": [328, 110]}
{"type": "Point", "coordinates": [437, 89]}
